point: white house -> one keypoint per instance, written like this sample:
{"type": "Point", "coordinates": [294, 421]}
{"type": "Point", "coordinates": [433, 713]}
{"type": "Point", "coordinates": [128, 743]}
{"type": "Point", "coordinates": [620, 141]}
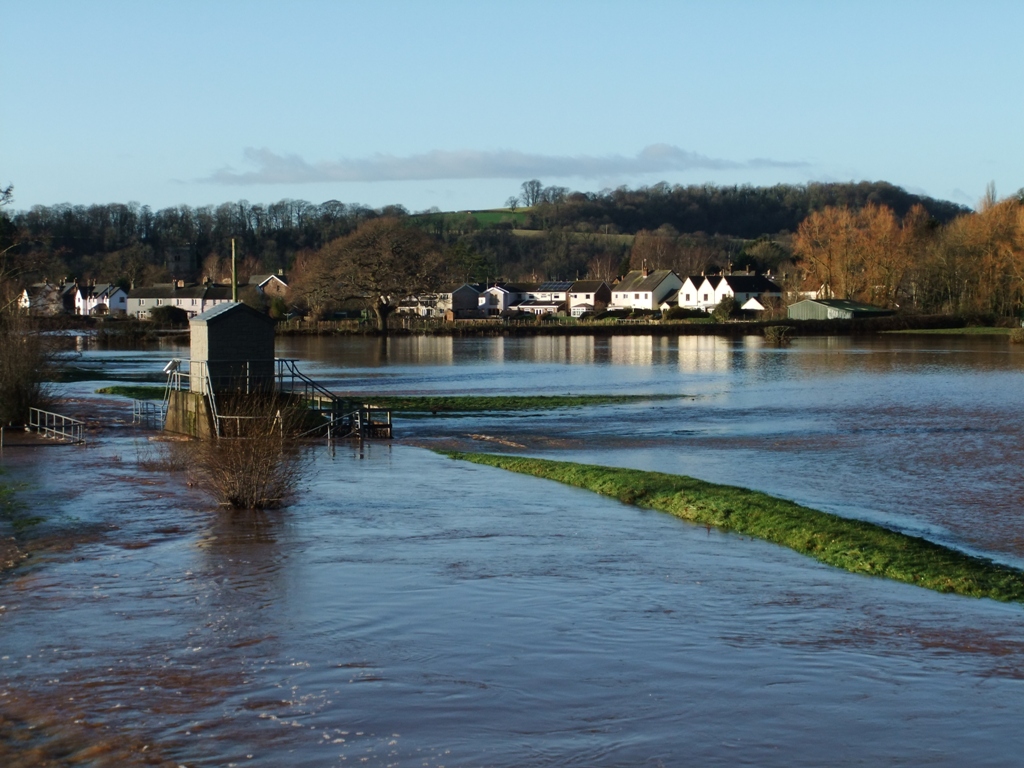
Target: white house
{"type": "Point", "coordinates": [704, 293]}
{"type": "Point", "coordinates": [644, 289]}
{"type": "Point", "coordinates": [502, 297]}
{"type": "Point", "coordinates": [192, 299]}
{"type": "Point", "coordinates": [742, 288]}
{"type": "Point", "coordinates": [545, 299]}
{"type": "Point", "coordinates": [689, 292]}
{"type": "Point", "coordinates": [539, 307]}
{"type": "Point", "coordinates": [589, 296]}
{"type": "Point", "coordinates": [101, 300]}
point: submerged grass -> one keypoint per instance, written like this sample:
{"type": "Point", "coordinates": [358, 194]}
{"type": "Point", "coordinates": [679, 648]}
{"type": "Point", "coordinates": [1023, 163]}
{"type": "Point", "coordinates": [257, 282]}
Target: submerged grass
{"type": "Point", "coordinates": [854, 545]}
{"type": "Point", "coordinates": [136, 392]}
{"type": "Point", "coordinates": [479, 403]}
{"type": "Point", "coordinates": [971, 330]}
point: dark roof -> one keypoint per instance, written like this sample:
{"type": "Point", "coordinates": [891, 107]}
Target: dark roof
{"type": "Point", "coordinates": [210, 292]}
{"type": "Point", "coordinates": [540, 303]}
{"type": "Point", "coordinates": [261, 279]}
{"type": "Point", "coordinates": [637, 281]}
{"type": "Point", "coordinates": [222, 310]}
{"type": "Point", "coordinates": [751, 284]}
{"type": "Point", "coordinates": [587, 286]}
{"type": "Point", "coordinates": [853, 306]}
{"type": "Point", "coordinates": [168, 291]}
{"type": "Point", "coordinates": [554, 285]}
{"type": "Point", "coordinates": [518, 287]}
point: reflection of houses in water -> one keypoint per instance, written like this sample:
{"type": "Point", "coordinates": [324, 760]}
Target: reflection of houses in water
{"type": "Point", "coordinates": [547, 349]}
{"type": "Point", "coordinates": [433, 349]}
{"type": "Point", "coordinates": [705, 354]}
{"type": "Point", "coordinates": [631, 350]}
{"type": "Point", "coordinates": [580, 350]}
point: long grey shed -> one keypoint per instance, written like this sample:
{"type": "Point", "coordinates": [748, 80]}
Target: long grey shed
{"type": "Point", "coordinates": [834, 309]}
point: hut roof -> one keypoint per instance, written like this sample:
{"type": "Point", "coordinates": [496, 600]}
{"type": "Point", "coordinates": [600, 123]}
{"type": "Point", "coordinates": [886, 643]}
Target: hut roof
{"type": "Point", "coordinates": [221, 311]}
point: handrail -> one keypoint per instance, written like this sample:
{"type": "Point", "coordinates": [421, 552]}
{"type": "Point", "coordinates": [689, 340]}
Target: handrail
{"type": "Point", "coordinates": [286, 378]}
{"type": "Point", "coordinates": [147, 412]}
{"type": "Point", "coordinates": [56, 425]}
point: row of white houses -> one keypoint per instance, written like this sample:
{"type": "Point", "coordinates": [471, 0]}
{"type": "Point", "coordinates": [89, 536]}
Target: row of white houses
{"type": "Point", "coordinates": [640, 289]}
{"type": "Point", "coordinates": [73, 299]}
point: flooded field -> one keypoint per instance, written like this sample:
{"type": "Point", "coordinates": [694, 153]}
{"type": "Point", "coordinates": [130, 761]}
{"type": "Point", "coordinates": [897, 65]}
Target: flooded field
{"type": "Point", "coordinates": [414, 611]}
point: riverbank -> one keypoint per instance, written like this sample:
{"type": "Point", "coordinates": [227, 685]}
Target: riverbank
{"type": "Point", "coordinates": [853, 545]}
{"type": "Point", "coordinates": [564, 326]}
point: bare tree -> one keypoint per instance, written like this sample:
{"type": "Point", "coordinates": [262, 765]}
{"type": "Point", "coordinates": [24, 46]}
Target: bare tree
{"type": "Point", "coordinates": [312, 284]}
{"type": "Point", "coordinates": [532, 191]}
{"type": "Point", "coordinates": [512, 203]}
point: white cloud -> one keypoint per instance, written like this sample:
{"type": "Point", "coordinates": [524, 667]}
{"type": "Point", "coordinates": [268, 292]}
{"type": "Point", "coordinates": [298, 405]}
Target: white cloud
{"type": "Point", "coordinates": [268, 167]}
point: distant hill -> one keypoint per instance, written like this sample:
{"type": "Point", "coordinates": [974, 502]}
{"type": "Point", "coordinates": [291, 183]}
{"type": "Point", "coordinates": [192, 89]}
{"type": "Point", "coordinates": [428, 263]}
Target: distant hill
{"type": "Point", "coordinates": [737, 211]}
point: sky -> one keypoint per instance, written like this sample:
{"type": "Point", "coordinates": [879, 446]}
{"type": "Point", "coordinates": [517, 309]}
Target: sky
{"type": "Point", "coordinates": [454, 104]}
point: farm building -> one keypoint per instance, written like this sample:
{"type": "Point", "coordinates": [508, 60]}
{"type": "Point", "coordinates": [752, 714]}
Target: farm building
{"type": "Point", "coordinates": [834, 309]}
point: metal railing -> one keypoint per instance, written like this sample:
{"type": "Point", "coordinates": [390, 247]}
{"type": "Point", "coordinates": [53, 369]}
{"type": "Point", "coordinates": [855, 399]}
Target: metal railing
{"type": "Point", "coordinates": [56, 426]}
{"type": "Point", "coordinates": [149, 413]}
{"type": "Point", "coordinates": [343, 418]}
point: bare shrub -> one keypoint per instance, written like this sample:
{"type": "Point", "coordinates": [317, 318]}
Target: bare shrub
{"type": "Point", "coordinates": [258, 467]}
{"type": "Point", "coordinates": [778, 335]}
{"type": "Point", "coordinates": [27, 359]}
{"type": "Point", "coordinates": [1017, 336]}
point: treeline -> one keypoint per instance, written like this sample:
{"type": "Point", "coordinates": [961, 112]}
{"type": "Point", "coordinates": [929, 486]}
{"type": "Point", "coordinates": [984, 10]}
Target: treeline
{"type": "Point", "coordinates": [972, 264]}
{"type": "Point", "coordinates": [132, 243]}
{"type": "Point", "coordinates": [737, 211]}
{"type": "Point", "coordinates": [868, 241]}
{"type": "Point", "coordinates": [573, 232]}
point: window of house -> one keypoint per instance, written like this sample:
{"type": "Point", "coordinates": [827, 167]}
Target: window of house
{"type": "Point", "coordinates": [687, 297]}
{"type": "Point", "coordinates": [636, 295]}
{"type": "Point", "coordinates": [159, 302]}
{"type": "Point", "coordinates": [142, 302]}
{"type": "Point", "coordinates": [588, 295]}
{"type": "Point", "coordinates": [705, 297]}
{"type": "Point", "coordinates": [647, 295]}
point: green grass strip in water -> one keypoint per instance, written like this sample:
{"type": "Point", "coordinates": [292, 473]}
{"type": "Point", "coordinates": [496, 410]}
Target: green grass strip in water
{"type": "Point", "coordinates": [854, 545]}
{"type": "Point", "coordinates": [136, 392]}
{"type": "Point", "coordinates": [481, 403]}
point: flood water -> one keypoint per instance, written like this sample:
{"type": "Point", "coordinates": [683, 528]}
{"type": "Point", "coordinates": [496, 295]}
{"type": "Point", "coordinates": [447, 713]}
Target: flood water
{"type": "Point", "coordinates": [410, 610]}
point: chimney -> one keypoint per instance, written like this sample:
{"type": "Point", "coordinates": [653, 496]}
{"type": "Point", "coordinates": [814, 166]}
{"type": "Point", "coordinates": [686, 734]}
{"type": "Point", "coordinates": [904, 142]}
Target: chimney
{"type": "Point", "coordinates": [646, 271]}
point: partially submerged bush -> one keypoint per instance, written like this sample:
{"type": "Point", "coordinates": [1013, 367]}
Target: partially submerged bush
{"type": "Point", "coordinates": [1017, 336]}
{"type": "Point", "coordinates": [259, 465]}
{"type": "Point", "coordinates": [778, 335]}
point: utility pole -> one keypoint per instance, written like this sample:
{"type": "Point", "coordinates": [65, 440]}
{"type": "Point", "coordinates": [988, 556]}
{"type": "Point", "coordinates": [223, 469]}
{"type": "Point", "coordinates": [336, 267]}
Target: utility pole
{"type": "Point", "coordinates": [234, 273]}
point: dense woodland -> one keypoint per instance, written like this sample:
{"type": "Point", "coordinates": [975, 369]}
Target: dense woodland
{"type": "Point", "coordinates": [869, 241]}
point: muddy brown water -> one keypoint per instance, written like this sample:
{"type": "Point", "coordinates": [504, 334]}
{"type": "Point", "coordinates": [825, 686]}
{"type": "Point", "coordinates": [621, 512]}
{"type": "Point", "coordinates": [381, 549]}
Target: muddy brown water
{"type": "Point", "coordinates": [410, 610]}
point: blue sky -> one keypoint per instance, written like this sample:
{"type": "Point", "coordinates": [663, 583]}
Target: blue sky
{"type": "Point", "coordinates": [454, 104]}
